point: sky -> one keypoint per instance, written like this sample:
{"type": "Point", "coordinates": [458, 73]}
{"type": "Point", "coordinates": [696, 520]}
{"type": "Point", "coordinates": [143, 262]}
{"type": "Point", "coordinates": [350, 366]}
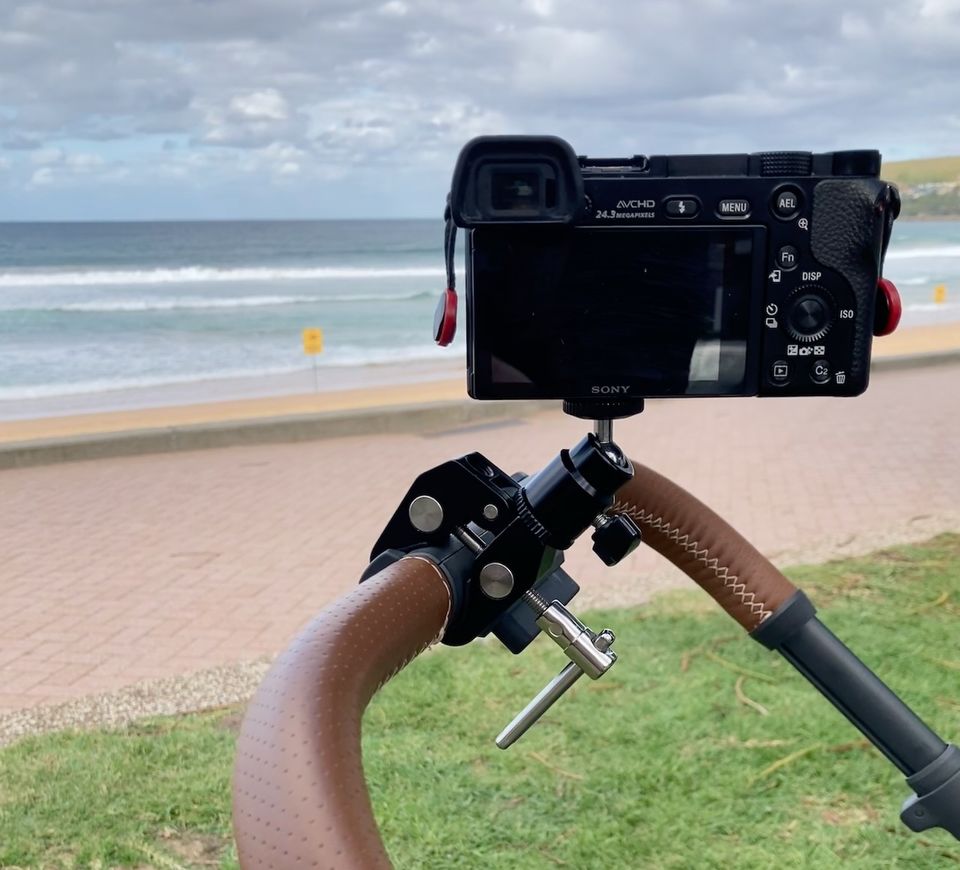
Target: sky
{"type": "Point", "coordinates": [140, 109]}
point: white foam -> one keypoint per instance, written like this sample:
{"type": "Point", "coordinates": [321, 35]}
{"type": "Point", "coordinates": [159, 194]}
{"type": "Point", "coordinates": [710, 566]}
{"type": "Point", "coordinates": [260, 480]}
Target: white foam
{"type": "Point", "coordinates": [928, 252]}
{"type": "Point", "coordinates": [932, 306]}
{"type": "Point", "coordinates": [175, 303]}
{"type": "Point", "coordinates": [347, 356]}
{"type": "Point", "coordinates": [206, 274]}
{"type": "Point", "coordinates": [104, 385]}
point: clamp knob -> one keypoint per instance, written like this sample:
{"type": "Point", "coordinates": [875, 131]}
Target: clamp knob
{"type": "Point", "coordinates": [616, 538]}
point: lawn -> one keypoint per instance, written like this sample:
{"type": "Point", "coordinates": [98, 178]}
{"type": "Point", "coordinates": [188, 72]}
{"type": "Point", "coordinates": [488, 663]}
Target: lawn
{"type": "Point", "coordinates": [699, 750]}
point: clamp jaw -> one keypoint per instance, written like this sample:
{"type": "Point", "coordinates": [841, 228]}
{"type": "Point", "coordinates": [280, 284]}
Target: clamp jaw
{"type": "Point", "coordinates": [499, 539]}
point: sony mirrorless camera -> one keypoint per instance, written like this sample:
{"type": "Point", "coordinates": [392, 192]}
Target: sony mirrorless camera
{"type": "Point", "coordinates": [708, 275]}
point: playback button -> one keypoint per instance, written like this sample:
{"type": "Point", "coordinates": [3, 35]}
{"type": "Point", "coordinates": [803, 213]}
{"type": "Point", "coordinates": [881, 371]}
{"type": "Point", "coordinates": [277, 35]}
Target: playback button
{"type": "Point", "coordinates": [780, 372]}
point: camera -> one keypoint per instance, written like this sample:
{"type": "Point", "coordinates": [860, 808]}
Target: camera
{"type": "Point", "coordinates": [669, 276]}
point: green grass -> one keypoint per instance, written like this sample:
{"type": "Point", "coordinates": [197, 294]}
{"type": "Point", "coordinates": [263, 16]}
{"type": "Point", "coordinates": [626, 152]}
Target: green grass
{"type": "Point", "coordinates": [661, 764]}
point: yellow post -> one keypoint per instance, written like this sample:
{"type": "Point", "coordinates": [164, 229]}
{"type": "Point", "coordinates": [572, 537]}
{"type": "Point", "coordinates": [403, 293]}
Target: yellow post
{"type": "Point", "coordinates": [312, 346]}
{"type": "Point", "coordinates": [940, 294]}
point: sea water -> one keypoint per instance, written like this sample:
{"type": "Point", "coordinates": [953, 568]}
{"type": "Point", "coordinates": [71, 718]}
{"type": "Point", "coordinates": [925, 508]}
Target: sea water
{"type": "Point", "coordinates": [103, 309]}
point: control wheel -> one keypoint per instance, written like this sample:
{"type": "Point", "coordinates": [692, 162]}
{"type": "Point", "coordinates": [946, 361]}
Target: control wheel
{"type": "Point", "coordinates": [810, 313]}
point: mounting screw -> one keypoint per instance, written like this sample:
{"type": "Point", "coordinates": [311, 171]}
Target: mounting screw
{"type": "Point", "coordinates": [490, 512]}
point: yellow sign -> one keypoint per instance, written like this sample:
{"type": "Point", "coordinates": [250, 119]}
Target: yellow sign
{"type": "Point", "coordinates": [312, 341]}
{"type": "Point", "coordinates": [940, 294]}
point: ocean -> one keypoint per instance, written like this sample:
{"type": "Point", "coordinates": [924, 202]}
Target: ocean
{"type": "Point", "coordinates": [102, 315]}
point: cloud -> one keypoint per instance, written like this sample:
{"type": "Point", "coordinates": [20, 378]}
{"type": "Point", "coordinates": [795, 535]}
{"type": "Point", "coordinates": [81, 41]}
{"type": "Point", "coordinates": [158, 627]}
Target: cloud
{"type": "Point", "coordinates": [180, 97]}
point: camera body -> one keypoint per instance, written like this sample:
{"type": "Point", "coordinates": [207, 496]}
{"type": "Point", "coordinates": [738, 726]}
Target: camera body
{"type": "Point", "coordinates": [668, 276]}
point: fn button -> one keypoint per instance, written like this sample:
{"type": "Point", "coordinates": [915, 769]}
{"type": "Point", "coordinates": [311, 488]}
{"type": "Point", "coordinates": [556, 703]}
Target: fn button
{"type": "Point", "coordinates": [788, 257]}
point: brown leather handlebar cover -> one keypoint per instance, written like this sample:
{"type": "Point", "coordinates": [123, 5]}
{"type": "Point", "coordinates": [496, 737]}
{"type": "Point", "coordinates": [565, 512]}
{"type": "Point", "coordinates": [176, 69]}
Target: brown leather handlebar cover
{"type": "Point", "coordinates": [299, 795]}
{"type": "Point", "coordinates": [704, 546]}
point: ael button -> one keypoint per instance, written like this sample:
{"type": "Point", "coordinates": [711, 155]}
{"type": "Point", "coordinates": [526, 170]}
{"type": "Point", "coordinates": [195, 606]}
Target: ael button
{"type": "Point", "coordinates": [445, 318]}
{"type": "Point", "coordinates": [889, 308]}
{"type": "Point", "coordinates": [786, 202]}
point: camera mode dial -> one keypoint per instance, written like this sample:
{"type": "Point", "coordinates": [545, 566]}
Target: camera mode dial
{"type": "Point", "coordinates": [810, 313]}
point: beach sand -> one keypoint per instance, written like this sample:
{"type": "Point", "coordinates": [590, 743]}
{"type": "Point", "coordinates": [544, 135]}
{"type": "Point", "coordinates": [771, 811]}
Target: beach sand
{"type": "Point", "coordinates": [425, 383]}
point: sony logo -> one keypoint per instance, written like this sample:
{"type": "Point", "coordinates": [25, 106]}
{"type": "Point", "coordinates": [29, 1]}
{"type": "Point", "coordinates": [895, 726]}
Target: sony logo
{"type": "Point", "coordinates": [608, 389]}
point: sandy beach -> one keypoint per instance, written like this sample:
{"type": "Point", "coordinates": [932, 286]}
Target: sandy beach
{"type": "Point", "coordinates": [371, 387]}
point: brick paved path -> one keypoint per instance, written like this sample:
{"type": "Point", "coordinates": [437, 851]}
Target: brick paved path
{"type": "Point", "coordinates": [119, 570]}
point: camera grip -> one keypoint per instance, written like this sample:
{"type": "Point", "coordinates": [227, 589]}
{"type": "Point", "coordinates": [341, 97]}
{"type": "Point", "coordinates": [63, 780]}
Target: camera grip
{"type": "Point", "coordinates": [845, 233]}
{"type": "Point", "coordinates": [704, 546]}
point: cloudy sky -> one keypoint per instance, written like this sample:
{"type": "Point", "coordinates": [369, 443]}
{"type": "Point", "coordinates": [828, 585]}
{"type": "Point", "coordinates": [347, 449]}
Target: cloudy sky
{"type": "Point", "coordinates": [348, 108]}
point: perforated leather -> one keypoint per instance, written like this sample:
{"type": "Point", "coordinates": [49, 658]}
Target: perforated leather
{"type": "Point", "coordinates": [299, 795]}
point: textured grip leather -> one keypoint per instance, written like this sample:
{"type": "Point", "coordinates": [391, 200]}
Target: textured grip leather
{"type": "Point", "coordinates": [299, 795]}
{"type": "Point", "coordinates": [846, 235]}
{"type": "Point", "coordinates": [704, 546]}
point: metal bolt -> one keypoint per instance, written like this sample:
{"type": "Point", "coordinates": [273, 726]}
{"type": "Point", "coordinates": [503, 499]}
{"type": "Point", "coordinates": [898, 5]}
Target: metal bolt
{"type": "Point", "coordinates": [603, 429]}
{"type": "Point", "coordinates": [496, 580]}
{"type": "Point", "coordinates": [490, 512]}
{"type": "Point", "coordinates": [468, 539]}
{"type": "Point", "coordinates": [535, 601]}
{"type": "Point", "coordinates": [600, 520]}
{"type": "Point", "coordinates": [426, 513]}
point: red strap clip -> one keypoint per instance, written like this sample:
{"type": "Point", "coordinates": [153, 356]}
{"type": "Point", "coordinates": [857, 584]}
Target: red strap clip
{"type": "Point", "coordinates": [445, 318]}
{"type": "Point", "coordinates": [889, 308]}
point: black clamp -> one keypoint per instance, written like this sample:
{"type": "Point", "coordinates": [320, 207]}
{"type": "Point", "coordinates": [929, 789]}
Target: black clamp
{"type": "Point", "coordinates": [496, 537]}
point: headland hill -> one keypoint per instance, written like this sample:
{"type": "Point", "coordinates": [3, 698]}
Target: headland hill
{"type": "Point", "coordinates": [929, 187]}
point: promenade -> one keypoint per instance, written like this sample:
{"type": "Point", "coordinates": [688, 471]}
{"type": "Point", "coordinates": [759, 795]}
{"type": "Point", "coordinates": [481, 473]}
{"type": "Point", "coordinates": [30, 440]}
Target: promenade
{"type": "Point", "coordinates": [119, 570]}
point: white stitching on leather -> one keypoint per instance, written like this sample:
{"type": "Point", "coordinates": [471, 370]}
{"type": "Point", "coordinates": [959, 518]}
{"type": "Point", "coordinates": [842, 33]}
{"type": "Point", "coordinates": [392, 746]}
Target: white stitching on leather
{"type": "Point", "coordinates": [730, 581]}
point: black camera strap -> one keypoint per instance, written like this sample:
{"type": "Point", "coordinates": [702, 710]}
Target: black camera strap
{"type": "Point", "coordinates": [449, 245]}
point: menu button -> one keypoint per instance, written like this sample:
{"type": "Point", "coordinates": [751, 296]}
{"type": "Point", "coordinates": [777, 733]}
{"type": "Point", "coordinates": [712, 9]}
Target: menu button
{"type": "Point", "coordinates": [733, 208]}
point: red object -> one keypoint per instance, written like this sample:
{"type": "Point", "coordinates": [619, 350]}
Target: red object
{"type": "Point", "coordinates": [445, 318]}
{"type": "Point", "coordinates": [889, 308]}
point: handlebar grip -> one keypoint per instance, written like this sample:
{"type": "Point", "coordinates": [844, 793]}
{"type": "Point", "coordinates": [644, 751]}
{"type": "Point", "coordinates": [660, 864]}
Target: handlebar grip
{"type": "Point", "coordinates": [704, 546]}
{"type": "Point", "coordinates": [299, 795]}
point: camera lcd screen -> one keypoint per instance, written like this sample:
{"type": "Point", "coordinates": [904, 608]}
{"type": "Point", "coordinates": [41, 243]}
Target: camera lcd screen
{"type": "Point", "coordinates": [588, 312]}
